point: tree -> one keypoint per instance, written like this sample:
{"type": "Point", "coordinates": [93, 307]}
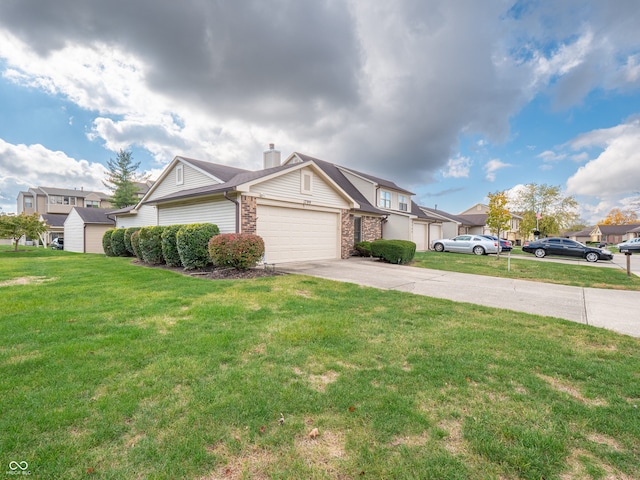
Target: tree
{"type": "Point", "coordinates": [121, 179]}
{"type": "Point", "coordinates": [498, 216]}
{"type": "Point", "coordinates": [17, 226]}
{"type": "Point", "coordinates": [544, 209]}
{"type": "Point", "coordinates": [620, 217]}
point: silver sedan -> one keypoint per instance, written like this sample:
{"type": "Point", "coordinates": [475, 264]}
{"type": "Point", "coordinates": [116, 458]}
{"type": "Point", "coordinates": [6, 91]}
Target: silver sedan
{"type": "Point", "coordinates": [466, 244]}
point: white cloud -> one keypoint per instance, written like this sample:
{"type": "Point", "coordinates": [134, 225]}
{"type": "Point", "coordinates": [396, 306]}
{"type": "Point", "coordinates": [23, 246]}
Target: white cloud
{"type": "Point", "coordinates": [549, 156]}
{"type": "Point", "coordinates": [492, 166]}
{"type": "Point", "coordinates": [458, 167]}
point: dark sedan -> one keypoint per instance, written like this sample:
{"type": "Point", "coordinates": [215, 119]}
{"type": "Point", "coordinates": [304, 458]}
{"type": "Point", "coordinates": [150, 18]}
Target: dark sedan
{"type": "Point", "coordinates": [505, 245]}
{"type": "Point", "coordinates": [566, 248]}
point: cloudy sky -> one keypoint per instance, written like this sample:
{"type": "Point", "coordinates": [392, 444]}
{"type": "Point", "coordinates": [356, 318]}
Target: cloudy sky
{"type": "Point", "coordinates": [450, 98]}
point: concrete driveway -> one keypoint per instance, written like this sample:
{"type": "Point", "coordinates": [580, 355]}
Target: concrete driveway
{"type": "Point", "coordinates": [616, 310]}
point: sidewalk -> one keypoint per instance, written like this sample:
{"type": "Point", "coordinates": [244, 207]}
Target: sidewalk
{"type": "Point", "coordinates": [615, 310]}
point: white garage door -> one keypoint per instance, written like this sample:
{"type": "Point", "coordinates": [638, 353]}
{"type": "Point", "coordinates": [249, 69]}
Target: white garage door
{"type": "Point", "coordinates": [435, 232]}
{"type": "Point", "coordinates": [293, 235]}
{"type": "Point", "coordinates": [420, 236]}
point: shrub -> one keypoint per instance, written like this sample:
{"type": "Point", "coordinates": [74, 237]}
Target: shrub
{"type": "Point", "coordinates": [193, 242]}
{"type": "Point", "coordinates": [135, 244]}
{"type": "Point", "coordinates": [238, 250]}
{"type": "Point", "coordinates": [127, 239]}
{"type": "Point", "coordinates": [106, 242]}
{"type": "Point", "coordinates": [394, 251]}
{"type": "Point", "coordinates": [117, 243]}
{"type": "Point", "coordinates": [151, 244]}
{"type": "Point", "coordinates": [363, 249]}
{"type": "Point", "coordinates": [170, 247]}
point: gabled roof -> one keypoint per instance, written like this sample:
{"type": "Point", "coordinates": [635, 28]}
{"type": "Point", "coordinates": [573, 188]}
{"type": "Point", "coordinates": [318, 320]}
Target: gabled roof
{"type": "Point", "coordinates": [333, 171]}
{"type": "Point", "coordinates": [474, 219]}
{"type": "Point", "coordinates": [580, 233]}
{"type": "Point", "coordinates": [418, 212]}
{"type": "Point", "coordinates": [222, 172]}
{"type": "Point", "coordinates": [69, 192]}
{"type": "Point", "coordinates": [94, 215]}
{"type": "Point", "coordinates": [442, 214]}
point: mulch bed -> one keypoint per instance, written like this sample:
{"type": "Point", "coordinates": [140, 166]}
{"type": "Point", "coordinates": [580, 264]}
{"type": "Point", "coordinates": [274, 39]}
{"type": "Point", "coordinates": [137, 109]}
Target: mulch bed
{"type": "Point", "coordinates": [218, 273]}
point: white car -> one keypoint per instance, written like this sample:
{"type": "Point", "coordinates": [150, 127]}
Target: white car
{"type": "Point", "coordinates": [475, 244]}
{"type": "Point", "coordinates": [630, 246]}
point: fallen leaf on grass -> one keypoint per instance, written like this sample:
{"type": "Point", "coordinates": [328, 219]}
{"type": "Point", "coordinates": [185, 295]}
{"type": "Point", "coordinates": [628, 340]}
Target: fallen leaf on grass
{"type": "Point", "coordinates": [313, 433]}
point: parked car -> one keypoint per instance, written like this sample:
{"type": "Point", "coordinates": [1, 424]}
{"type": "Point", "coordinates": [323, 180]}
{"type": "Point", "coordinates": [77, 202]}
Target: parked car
{"type": "Point", "coordinates": [567, 248]}
{"type": "Point", "coordinates": [57, 244]}
{"type": "Point", "coordinates": [631, 246]}
{"type": "Point", "coordinates": [475, 244]}
{"type": "Point", "coordinates": [505, 245]}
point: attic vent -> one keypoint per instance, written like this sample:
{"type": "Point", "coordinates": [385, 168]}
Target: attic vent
{"type": "Point", "coordinates": [306, 182]}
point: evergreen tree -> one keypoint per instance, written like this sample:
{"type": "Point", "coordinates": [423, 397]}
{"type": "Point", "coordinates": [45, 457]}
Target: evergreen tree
{"type": "Point", "coordinates": [121, 180]}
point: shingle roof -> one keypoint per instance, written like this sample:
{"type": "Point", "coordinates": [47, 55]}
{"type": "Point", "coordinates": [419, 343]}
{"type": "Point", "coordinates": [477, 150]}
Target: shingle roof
{"type": "Point", "coordinates": [223, 172]}
{"type": "Point", "coordinates": [95, 215]}
{"type": "Point", "coordinates": [617, 229]}
{"type": "Point", "coordinates": [54, 219]}
{"type": "Point", "coordinates": [442, 213]}
{"type": "Point", "coordinates": [70, 192]}
{"type": "Point", "coordinates": [476, 219]}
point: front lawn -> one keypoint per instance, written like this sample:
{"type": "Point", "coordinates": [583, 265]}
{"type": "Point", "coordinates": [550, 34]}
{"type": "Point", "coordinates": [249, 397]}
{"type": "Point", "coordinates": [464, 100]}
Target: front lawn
{"type": "Point", "coordinates": [113, 370]}
{"type": "Point", "coordinates": [529, 269]}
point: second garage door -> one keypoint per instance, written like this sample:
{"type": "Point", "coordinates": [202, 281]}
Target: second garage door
{"type": "Point", "coordinates": [294, 235]}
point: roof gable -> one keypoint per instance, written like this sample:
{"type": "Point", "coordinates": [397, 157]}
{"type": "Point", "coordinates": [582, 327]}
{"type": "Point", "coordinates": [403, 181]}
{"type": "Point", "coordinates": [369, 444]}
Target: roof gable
{"type": "Point", "coordinates": [94, 215]}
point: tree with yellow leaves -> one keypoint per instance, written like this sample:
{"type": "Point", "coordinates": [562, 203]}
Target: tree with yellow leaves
{"type": "Point", "coordinates": [620, 217]}
{"type": "Point", "coordinates": [498, 216]}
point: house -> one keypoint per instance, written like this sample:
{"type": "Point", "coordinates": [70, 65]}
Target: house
{"type": "Point", "coordinates": [615, 233]}
{"type": "Point", "coordinates": [582, 236]}
{"type": "Point", "coordinates": [84, 228]}
{"type": "Point", "coordinates": [55, 224]}
{"type": "Point", "coordinates": [474, 221]}
{"type": "Point", "coordinates": [303, 208]}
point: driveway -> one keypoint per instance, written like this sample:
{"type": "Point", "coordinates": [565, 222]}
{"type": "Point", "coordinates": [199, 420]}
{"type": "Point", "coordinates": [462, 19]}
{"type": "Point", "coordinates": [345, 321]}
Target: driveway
{"type": "Point", "coordinates": [615, 310]}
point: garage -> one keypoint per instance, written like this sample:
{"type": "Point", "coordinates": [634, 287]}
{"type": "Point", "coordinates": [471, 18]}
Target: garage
{"type": "Point", "coordinates": [295, 235]}
{"type": "Point", "coordinates": [420, 236]}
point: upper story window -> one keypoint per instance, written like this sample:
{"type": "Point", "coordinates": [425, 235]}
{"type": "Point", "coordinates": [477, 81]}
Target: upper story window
{"type": "Point", "coordinates": [180, 175]}
{"type": "Point", "coordinates": [60, 200]}
{"type": "Point", "coordinates": [28, 202]}
{"type": "Point", "coordinates": [306, 182]}
{"type": "Point", "coordinates": [92, 203]}
{"type": "Point", "coordinates": [402, 203]}
{"type": "Point", "coordinates": [385, 199]}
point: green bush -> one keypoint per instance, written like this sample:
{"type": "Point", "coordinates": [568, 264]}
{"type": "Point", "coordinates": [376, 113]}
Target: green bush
{"type": "Point", "coordinates": [106, 242]}
{"type": "Point", "coordinates": [127, 239]}
{"type": "Point", "coordinates": [170, 247]}
{"type": "Point", "coordinates": [394, 251]}
{"type": "Point", "coordinates": [363, 249]}
{"type": "Point", "coordinates": [193, 244]}
{"type": "Point", "coordinates": [151, 244]}
{"type": "Point", "coordinates": [117, 243]}
{"type": "Point", "coordinates": [135, 244]}
{"type": "Point", "coordinates": [238, 250]}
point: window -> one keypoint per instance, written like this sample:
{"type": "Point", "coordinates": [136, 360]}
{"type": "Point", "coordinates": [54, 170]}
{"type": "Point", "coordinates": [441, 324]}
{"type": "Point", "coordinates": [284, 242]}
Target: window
{"type": "Point", "coordinates": [402, 203]}
{"type": "Point", "coordinates": [92, 203]}
{"type": "Point", "coordinates": [28, 202]}
{"type": "Point", "coordinates": [180, 175]}
{"type": "Point", "coordinates": [357, 229]}
{"type": "Point", "coordinates": [60, 200]}
{"type": "Point", "coordinates": [385, 199]}
{"type": "Point", "coordinates": [306, 182]}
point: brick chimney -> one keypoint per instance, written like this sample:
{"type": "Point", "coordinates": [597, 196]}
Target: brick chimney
{"type": "Point", "coordinates": [271, 157]}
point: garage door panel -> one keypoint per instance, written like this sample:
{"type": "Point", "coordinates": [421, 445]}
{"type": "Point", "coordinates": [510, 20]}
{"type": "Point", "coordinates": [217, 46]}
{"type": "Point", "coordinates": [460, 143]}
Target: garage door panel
{"type": "Point", "coordinates": [297, 234]}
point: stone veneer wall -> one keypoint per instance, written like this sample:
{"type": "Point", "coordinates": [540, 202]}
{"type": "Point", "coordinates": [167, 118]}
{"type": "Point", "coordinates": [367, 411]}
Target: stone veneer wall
{"type": "Point", "coordinates": [248, 214]}
{"type": "Point", "coordinates": [346, 241]}
{"type": "Point", "coordinates": [371, 228]}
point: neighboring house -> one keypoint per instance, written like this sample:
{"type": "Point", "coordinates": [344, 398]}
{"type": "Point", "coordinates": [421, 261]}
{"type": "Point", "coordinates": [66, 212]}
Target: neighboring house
{"type": "Point", "coordinates": [615, 233]}
{"type": "Point", "coordinates": [304, 209]}
{"type": "Point", "coordinates": [84, 228]}
{"type": "Point", "coordinates": [582, 236]}
{"type": "Point", "coordinates": [449, 224]}
{"type": "Point", "coordinates": [474, 221]}
{"type": "Point", "coordinates": [55, 224]}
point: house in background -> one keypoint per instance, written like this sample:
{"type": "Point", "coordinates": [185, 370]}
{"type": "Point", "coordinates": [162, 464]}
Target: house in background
{"type": "Point", "coordinates": [582, 236]}
{"type": "Point", "coordinates": [84, 228]}
{"type": "Point", "coordinates": [303, 208]}
{"type": "Point", "coordinates": [615, 233]}
{"type": "Point", "coordinates": [474, 221]}
{"type": "Point", "coordinates": [55, 224]}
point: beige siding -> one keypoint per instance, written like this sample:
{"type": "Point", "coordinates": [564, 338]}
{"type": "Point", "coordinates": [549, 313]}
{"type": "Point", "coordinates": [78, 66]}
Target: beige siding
{"type": "Point", "coordinates": [364, 186]}
{"type": "Point", "coordinates": [420, 236]}
{"type": "Point", "coordinates": [93, 238]}
{"type": "Point", "coordinates": [146, 216]}
{"type": "Point", "coordinates": [398, 227]}
{"type": "Point", "coordinates": [192, 179]}
{"type": "Point", "coordinates": [288, 187]}
{"type": "Point", "coordinates": [74, 233]}
{"type": "Point", "coordinates": [221, 212]}
{"type": "Point", "coordinates": [435, 232]}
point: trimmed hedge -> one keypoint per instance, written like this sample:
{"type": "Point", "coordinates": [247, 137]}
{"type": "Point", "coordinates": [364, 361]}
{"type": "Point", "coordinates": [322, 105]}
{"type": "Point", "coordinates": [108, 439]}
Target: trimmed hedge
{"type": "Point", "coordinates": [151, 244]}
{"type": "Point", "coordinates": [117, 243]}
{"type": "Point", "coordinates": [193, 244]}
{"type": "Point", "coordinates": [238, 250]}
{"type": "Point", "coordinates": [127, 239]}
{"type": "Point", "coordinates": [135, 244]}
{"type": "Point", "coordinates": [170, 246]}
{"type": "Point", "coordinates": [363, 249]}
{"type": "Point", "coordinates": [394, 251]}
{"type": "Point", "coordinates": [106, 242]}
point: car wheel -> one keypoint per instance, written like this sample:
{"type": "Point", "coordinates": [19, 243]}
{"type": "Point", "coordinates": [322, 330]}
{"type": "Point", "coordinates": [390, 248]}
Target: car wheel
{"type": "Point", "coordinates": [478, 250]}
{"type": "Point", "coordinates": [438, 247]}
{"type": "Point", "coordinates": [540, 252]}
{"type": "Point", "coordinates": [592, 257]}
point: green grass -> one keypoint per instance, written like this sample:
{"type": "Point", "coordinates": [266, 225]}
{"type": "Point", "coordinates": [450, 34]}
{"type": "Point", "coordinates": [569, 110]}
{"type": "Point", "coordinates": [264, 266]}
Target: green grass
{"type": "Point", "coordinates": [529, 269]}
{"type": "Point", "coordinates": [111, 370]}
